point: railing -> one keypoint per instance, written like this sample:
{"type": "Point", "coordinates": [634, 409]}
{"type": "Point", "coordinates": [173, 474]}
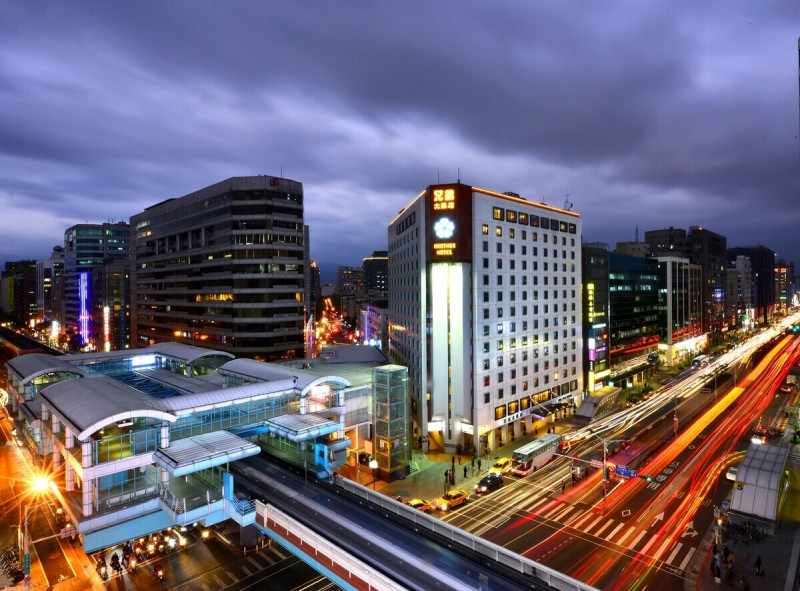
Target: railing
{"type": "Point", "coordinates": [485, 548]}
{"type": "Point", "coordinates": [182, 505]}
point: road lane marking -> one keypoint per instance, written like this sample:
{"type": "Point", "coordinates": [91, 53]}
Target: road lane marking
{"type": "Point", "coordinates": [246, 570]}
{"type": "Point", "coordinates": [614, 531]}
{"type": "Point", "coordinates": [600, 531]}
{"type": "Point", "coordinates": [595, 522]}
{"type": "Point", "coordinates": [625, 537]}
{"type": "Point", "coordinates": [637, 540]}
{"type": "Point", "coordinates": [579, 523]}
{"type": "Point", "coordinates": [674, 553]}
{"type": "Point", "coordinates": [686, 560]}
{"type": "Point", "coordinates": [255, 563]}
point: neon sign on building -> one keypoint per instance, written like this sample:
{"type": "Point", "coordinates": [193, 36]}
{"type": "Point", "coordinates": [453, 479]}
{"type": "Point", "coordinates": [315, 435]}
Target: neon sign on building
{"type": "Point", "coordinates": [83, 294]}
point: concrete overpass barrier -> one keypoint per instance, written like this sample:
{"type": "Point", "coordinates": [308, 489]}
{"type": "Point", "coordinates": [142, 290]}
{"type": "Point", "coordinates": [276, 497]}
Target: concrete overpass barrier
{"type": "Point", "coordinates": [347, 570]}
{"type": "Point", "coordinates": [489, 550]}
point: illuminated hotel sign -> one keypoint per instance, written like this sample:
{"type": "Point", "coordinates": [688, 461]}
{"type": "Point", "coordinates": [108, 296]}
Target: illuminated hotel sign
{"type": "Point", "coordinates": [83, 297]}
{"type": "Point", "coordinates": [449, 215]}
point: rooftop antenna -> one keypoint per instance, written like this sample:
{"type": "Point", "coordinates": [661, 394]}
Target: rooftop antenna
{"type": "Point", "coordinates": [567, 203]}
{"type": "Point", "coordinates": [438, 181]}
{"type": "Point", "coordinates": [544, 195]}
{"type": "Point", "coordinates": [459, 175]}
{"type": "Point", "coordinates": [281, 170]}
{"type": "Point", "coordinates": [637, 234]}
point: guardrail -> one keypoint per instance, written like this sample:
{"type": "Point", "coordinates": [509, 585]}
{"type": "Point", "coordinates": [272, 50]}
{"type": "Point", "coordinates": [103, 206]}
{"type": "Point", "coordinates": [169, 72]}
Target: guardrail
{"type": "Point", "coordinates": [490, 550]}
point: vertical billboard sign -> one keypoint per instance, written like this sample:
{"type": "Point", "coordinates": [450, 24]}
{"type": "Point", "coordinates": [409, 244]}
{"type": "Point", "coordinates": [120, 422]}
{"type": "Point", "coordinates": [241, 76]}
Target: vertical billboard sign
{"type": "Point", "coordinates": [449, 223]}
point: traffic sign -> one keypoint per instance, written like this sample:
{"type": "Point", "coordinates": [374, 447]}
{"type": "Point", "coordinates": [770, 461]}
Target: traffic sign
{"type": "Point", "coordinates": [716, 512]}
{"type": "Point", "coordinates": [623, 471]}
{"type": "Point", "coordinates": [633, 473]}
{"type": "Point", "coordinates": [596, 463]}
{"type": "Point", "coordinates": [26, 563]}
{"type": "Point", "coordinates": [725, 505]}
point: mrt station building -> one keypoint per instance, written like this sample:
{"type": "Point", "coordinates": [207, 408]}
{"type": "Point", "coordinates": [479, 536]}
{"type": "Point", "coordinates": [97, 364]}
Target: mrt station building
{"type": "Point", "coordinates": [140, 440]}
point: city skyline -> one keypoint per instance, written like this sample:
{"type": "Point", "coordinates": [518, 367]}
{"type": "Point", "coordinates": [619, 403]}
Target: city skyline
{"type": "Point", "coordinates": [653, 118]}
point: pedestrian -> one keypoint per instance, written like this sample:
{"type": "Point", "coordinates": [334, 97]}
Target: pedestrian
{"type": "Point", "coordinates": [757, 564]}
{"type": "Point", "coordinates": [473, 461]}
{"type": "Point", "coordinates": [446, 475]}
{"type": "Point", "coordinates": [479, 464]}
{"type": "Point", "coordinates": [725, 552]}
{"type": "Point", "coordinates": [458, 451]}
{"type": "Point", "coordinates": [717, 575]}
{"type": "Point", "coordinates": [465, 470]}
{"type": "Point", "coordinates": [453, 462]}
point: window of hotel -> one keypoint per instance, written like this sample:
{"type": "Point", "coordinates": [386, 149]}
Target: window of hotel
{"type": "Point", "coordinates": [513, 374]}
{"type": "Point", "coordinates": [514, 342]}
{"type": "Point", "coordinates": [544, 223]}
{"type": "Point", "coordinates": [511, 248]}
{"type": "Point", "coordinates": [524, 389]}
{"type": "Point", "coordinates": [486, 313]}
{"type": "Point", "coordinates": [486, 297]}
{"type": "Point", "coordinates": [513, 358]}
{"type": "Point", "coordinates": [497, 213]}
{"type": "Point", "coordinates": [513, 311]}
{"type": "Point", "coordinates": [513, 406]}
{"type": "Point", "coordinates": [485, 229]}
{"type": "Point", "coordinates": [512, 264]}
{"type": "Point", "coordinates": [499, 263]}
{"type": "Point", "coordinates": [486, 330]}
{"type": "Point", "coordinates": [499, 247]}
{"type": "Point", "coordinates": [486, 380]}
{"type": "Point", "coordinates": [499, 312]}
{"type": "Point", "coordinates": [534, 221]}
{"type": "Point", "coordinates": [486, 398]}
{"type": "Point", "coordinates": [536, 382]}
{"type": "Point", "coordinates": [525, 370]}
{"type": "Point", "coordinates": [524, 326]}
{"type": "Point", "coordinates": [499, 280]}
{"type": "Point", "coordinates": [499, 345]}
{"type": "Point", "coordinates": [485, 246]}
{"type": "Point", "coordinates": [499, 296]}
{"type": "Point", "coordinates": [486, 280]}
{"type": "Point", "coordinates": [525, 355]}
{"type": "Point", "coordinates": [499, 377]}
{"type": "Point", "coordinates": [485, 263]}
{"type": "Point", "coordinates": [499, 231]}
{"type": "Point", "coordinates": [486, 364]}
{"type": "Point", "coordinates": [523, 219]}
{"type": "Point", "coordinates": [511, 216]}
{"type": "Point", "coordinates": [524, 277]}
{"type": "Point", "coordinates": [486, 347]}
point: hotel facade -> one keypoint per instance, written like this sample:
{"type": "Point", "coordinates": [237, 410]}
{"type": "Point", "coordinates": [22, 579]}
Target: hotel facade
{"type": "Point", "coordinates": [485, 311]}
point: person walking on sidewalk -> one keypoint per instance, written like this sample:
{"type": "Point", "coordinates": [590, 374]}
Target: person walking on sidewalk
{"type": "Point", "coordinates": [465, 471]}
{"type": "Point", "coordinates": [479, 464]}
{"type": "Point", "coordinates": [757, 564]}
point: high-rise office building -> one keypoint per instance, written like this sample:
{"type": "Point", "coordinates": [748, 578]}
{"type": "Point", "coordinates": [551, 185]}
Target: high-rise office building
{"type": "Point", "coordinates": [223, 266]}
{"type": "Point", "coordinates": [680, 294]}
{"type": "Point", "coordinates": [596, 315]}
{"type": "Point", "coordinates": [376, 270]}
{"type": "Point", "coordinates": [739, 294]}
{"type": "Point", "coordinates": [96, 295]}
{"type": "Point", "coordinates": [762, 264]}
{"type": "Point", "coordinates": [485, 311]}
{"type": "Point", "coordinates": [49, 273]}
{"type": "Point", "coordinates": [708, 250]}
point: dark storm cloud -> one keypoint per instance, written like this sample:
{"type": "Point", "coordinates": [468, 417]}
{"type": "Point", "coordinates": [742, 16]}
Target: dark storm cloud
{"type": "Point", "coordinates": [642, 114]}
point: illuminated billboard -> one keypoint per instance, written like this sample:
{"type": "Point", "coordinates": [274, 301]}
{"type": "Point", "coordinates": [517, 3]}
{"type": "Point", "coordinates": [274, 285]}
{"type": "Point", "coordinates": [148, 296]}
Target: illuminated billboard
{"type": "Point", "coordinates": [449, 215]}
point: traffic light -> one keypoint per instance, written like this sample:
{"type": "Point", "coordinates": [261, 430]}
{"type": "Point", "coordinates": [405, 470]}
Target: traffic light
{"type": "Point", "coordinates": [647, 478]}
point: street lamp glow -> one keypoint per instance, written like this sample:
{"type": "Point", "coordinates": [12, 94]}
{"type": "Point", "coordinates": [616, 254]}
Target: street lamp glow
{"type": "Point", "coordinates": [40, 484]}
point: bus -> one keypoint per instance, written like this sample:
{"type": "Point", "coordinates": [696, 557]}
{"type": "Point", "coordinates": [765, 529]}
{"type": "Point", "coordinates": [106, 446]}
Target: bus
{"type": "Point", "coordinates": [532, 456]}
{"type": "Point", "coordinates": [700, 361]}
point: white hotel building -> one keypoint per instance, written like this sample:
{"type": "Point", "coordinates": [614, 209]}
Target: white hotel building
{"type": "Point", "coordinates": [485, 311]}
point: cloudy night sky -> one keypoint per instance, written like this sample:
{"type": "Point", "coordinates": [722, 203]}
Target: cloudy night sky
{"type": "Point", "coordinates": [641, 114]}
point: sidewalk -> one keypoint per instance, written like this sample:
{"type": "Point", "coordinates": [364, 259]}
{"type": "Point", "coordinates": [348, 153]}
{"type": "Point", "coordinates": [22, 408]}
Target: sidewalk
{"type": "Point", "coordinates": [779, 554]}
{"type": "Point", "coordinates": [427, 481]}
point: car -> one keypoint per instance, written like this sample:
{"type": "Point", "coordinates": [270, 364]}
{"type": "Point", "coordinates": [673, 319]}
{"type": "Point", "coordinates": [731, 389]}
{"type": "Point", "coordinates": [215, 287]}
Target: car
{"type": "Point", "coordinates": [732, 473]}
{"type": "Point", "coordinates": [420, 505]}
{"type": "Point", "coordinates": [488, 483]}
{"type": "Point", "coordinates": [786, 388]}
{"type": "Point", "coordinates": [452, 499]}
{"type": "Point", "coordinates": [501, 466]}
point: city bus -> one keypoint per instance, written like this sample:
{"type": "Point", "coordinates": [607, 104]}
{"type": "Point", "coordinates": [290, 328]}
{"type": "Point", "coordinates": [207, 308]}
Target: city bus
{"type": "Point", "coordinates": [700, 361]}
{"type": "Point", "coordinates": [532, 456]}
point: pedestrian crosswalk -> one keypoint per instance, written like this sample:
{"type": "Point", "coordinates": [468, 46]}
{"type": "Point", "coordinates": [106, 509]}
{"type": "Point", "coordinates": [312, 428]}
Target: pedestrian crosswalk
{"type": "Point", "coordinates": [225, 576]}
{"type": "Point", "coordinates": [614, 530]}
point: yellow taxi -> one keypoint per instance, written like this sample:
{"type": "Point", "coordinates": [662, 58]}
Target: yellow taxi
{"type": "Point", "coordinates": [420, 505]}
{"type": "Point", "coordinates": [501, 466]}
{"type": "Point", "coordinates": [452, 499]}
